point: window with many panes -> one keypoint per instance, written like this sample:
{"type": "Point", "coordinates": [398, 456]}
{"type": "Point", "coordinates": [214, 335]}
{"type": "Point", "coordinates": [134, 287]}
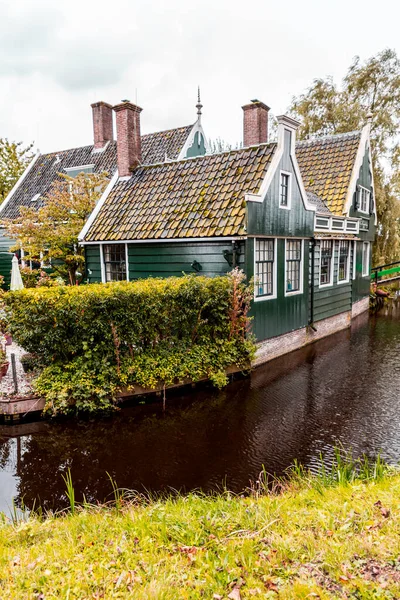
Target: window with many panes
{"type": "Point", "coordinates": [293, 265]}
{"type": "Point", "coordinates": [365, 259]}
{"type": "Point", "coordinates": [325, 275]}
{"type": "Point", "coordinates": [114, 262]}
{"type": "Point", "coordinates": [284, 197]}
{"type": "Point", "coordinates": [363, 199]}
{"type": "Point", "coordinates": [344, 260]}
{"type": "Point", "coordinates": [264, 268]}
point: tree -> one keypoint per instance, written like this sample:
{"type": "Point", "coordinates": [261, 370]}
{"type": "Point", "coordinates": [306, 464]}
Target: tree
{"type": "Point", "coordinates": [372, 87]}
{"type": "Point", "coordinates": [14, 158]}
{"type": "Point", "coordinates": [51, 233]}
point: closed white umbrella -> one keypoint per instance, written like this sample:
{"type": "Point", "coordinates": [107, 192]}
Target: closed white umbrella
{"type": "Point", "coordinates": [16, 279]}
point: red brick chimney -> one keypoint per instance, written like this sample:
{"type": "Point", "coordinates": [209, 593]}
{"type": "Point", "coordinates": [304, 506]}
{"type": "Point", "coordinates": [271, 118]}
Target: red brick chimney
{"type": "Point", "coordinates": [255, 123]}
{"type": "Point", "coordinates": [102, 124]}
{"type": "Point", "coordinates": [129, 147]}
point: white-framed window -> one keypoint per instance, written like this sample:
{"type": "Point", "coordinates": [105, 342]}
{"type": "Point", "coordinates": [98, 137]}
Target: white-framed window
{"type": "Point", "coordinates": [265, 268]}
{"type": "Point", "coordinates": [354, 259]}
{"type": "Point", "coordinates": [285, 190]}
{"type": "Point", "coordinates": [344, 261]}
{"type": "Point", "coordinates": [293, 267]}
{"type": "Point", "coordinates": [363, 199]}
{"type": "Point", "coordinates": [326, 263]}
{"type": "Point", "coordinates": [114, 257]}
{"type": "Point", "coordinates": [75, 171]}
{"type": "Point", "coordinates": [365, 259]}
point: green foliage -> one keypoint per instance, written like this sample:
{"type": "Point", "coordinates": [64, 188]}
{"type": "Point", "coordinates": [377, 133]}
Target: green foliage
{"type": "Point", "coordinates": [14, 158]}
{"type": "Point", "coordinates": [372, 87]}
{"type": "Point", "coordinates": [95, 340]}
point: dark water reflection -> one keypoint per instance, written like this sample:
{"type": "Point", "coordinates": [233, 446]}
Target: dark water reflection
{"type": "Point", "coordinates": [345, 389]}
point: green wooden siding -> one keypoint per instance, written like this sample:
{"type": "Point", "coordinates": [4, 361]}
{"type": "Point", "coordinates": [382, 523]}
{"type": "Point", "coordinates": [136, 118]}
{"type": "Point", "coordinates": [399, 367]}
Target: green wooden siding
{"type": "Point", "coordinates": [361, 285]}
{"type": "Point", "coordinates": [364, 179]}
{"type": "Point", "coordinates": [273, 317]}
{"type": "Point", "coordinates": [5, 258]}
{"type": "Point", "coordinates": [93, 263]}
{"type": "Point", "coordinates": [198, 147]}
{"type": "Point", "coordinates": [169, 259]}
{"type": "Point", "coordinates": [175, 258]}
{"type": "Point", "coordinates": [336, 298]}
{"type": "Point", "coordinates": [267, 218]}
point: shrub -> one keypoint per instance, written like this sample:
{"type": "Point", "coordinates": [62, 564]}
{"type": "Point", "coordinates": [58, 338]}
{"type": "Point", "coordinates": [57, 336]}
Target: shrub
{"type": "Point", "coordinates": [94, 340]}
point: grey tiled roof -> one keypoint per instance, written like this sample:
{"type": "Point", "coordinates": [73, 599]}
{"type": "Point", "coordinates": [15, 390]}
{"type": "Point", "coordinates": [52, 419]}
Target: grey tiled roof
{"type": "Point", "coordinates": [197, 197]}
{"type": "Point", "coordinates": [155, 146]}
{"type": "Point", "coordinates": [319, 203]}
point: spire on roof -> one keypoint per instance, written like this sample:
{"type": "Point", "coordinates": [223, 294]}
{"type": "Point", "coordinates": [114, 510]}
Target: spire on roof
{"type": "Point", "coordinates": [199, 105]}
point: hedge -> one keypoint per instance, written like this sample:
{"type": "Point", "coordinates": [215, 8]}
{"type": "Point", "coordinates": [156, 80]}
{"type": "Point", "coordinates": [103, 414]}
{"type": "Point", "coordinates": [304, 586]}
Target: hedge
{"type": "Point", "coordinates": [91, 341]}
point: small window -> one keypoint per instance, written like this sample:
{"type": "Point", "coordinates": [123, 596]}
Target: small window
{"type": "Point", "coordinates": [75, 171]}
{"type": "Point", "coordinates": [322, 223]}
{"type": "Point", "coordinates": [325, 276]}
{"type": "Point", "coordinates": [114, 262]}
{"type": "Point", "coordinates": [344, 260]}
{"type": "Point", "coordinates": [365, 259]}
{"type": "Point", "coordinates": [284, 196]}
{"type": "Point", "coordinates": [363, 199]}
{"type": "Point", "coordinates": [35, 198]}
{"type": "Point", "coordinates": [264, 268]}
{"type": "Point", "coordinates": [293, 266]}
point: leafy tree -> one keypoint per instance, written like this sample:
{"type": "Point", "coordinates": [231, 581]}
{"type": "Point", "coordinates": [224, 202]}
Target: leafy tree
{"type": "Point", "coordinates": [372, 87]}
{"type": "Point", "coordinates": [14, 158]}
{"type": "Point", "coordinates": [52, 231]}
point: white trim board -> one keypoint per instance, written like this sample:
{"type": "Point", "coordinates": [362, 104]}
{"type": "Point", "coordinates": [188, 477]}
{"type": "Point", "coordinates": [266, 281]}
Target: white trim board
{"type": "Point", "coordinates": [98, 206]}
{"type": "Point", "coordinates": [158, 240]}
{"type": "Point", "coordinates": [20, 180]}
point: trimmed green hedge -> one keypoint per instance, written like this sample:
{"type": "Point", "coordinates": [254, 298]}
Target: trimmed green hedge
{"type": "Point", "coordinates": [94, 340]}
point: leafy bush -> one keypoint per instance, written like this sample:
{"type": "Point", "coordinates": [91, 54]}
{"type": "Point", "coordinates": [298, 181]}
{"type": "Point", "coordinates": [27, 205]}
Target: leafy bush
{"type": "Point", "coordinates": [94, 340]}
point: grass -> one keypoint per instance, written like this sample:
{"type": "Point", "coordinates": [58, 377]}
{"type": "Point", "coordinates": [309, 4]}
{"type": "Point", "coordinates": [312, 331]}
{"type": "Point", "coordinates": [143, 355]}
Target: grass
{"type": "Point", "coordinates": [334, 535]}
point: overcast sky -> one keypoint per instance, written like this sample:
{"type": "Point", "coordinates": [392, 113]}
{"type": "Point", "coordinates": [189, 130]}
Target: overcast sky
{"type": "Point", "coordinates": [56, 58]}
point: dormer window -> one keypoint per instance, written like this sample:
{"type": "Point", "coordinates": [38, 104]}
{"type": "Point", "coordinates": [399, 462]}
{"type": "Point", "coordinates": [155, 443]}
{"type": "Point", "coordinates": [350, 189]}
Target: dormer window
{"type": "Point", "coordinates": [75, 171]}
{"type": "Point", "coordinates": [364, 196]}
{"type": "Point", "coordinates": [285, 190]}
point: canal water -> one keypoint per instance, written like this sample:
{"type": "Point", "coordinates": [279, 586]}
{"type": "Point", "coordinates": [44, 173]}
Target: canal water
{"type": "Point", "coordinates": [344, 389]}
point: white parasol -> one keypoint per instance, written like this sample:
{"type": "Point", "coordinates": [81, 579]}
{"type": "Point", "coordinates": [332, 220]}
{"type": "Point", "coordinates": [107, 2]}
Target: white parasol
{"type": "Point", "coordinates": [16, 279]}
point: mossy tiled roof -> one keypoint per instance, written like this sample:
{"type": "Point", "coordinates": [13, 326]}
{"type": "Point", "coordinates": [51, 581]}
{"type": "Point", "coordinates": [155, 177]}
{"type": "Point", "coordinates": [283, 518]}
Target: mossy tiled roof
{"type": "Point", "coordinates": [155, 147]}
{"type": "Point", "coordinates": [198, 197]}
{"type": "Point", "coordinates": [326, 165]}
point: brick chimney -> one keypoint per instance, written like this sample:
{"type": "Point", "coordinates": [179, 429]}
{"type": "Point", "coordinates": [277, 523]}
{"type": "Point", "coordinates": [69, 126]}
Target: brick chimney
{"type": "Point", "coordinates": [255, 123]}
{"type": "Point", "coordinates": [129, 146]}
{"type": "Point", "coordinates": [102, 124]}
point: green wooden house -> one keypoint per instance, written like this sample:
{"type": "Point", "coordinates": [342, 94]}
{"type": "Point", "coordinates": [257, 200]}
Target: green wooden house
{"type": "Point", "coordinates": [100, 156]}
{"type": "Point", "coordinates": [298, 217]}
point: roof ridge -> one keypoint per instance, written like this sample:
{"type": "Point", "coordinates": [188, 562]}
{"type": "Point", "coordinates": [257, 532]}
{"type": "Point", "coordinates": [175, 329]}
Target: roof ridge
{"type": "Point", "coordinates": [328, 137]}
{"type": "Point", "coordinates": [203, 156]}
{"type": "Point", "coordinates": [167, 130]}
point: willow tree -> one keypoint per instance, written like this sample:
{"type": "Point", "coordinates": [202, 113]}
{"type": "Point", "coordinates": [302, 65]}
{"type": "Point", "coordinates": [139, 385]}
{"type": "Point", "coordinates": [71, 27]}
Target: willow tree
{"type": "Point", "coordinates": [370, 87]}
{"type": "Point", "coordinates": [51, 232]}
{"type": "Point", "coordinates": [14, 158]}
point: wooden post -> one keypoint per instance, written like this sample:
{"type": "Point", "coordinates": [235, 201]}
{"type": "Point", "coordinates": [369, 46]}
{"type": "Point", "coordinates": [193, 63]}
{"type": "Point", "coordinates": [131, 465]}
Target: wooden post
{"type": "Point", "coordinates": [14, 373]}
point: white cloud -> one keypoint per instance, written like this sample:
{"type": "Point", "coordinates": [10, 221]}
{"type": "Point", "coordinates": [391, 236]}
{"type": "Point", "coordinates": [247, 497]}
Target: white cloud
{"type": "Point", "coordinates": [57, 58]}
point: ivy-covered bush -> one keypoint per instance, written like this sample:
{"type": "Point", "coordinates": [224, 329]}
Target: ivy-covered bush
{"type": "Point", "coordinates": [97, 339]}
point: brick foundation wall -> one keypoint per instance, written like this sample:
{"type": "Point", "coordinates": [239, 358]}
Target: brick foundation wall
{"type": "Point", "coordinates": [359, 307]}
{"type": "Point", "coordinates": [288, 342]}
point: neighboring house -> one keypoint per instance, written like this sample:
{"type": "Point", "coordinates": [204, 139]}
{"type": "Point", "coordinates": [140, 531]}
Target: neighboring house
{"type": "Point", "coordinates": [32, 187]}
{"type": "Point", "coordinates": [299, 217]}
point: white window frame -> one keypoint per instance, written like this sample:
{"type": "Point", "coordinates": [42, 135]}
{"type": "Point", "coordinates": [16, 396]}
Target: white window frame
{"type": "Point", "coordinates": [330, 284]}
{"type": "Point", "coordinates": [300, 291]}
{"type": "Point", "coordinates": [272, 296]}
{"type": "Point", "coordinates": [103, 263]}
{"type": "Point", "coordinates": [366, 245]}
{"type": "Point", "coordinates": [355, 259]}
{"type": "Point", "coordinates": [347, 278]}
{"type": "Point", "coordinates": [289, 198]}
{"type": "Point", "coordinates": [360, 191]}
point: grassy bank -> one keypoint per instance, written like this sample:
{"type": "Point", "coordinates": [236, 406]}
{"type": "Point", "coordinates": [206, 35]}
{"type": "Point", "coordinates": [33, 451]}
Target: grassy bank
{"type": "Point", "coordinates": [308, 541]}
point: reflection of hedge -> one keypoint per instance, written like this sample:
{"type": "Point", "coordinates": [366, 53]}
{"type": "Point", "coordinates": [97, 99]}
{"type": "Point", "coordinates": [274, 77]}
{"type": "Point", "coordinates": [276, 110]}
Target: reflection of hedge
{"type": "Point", "coordinates": [94, 339]}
